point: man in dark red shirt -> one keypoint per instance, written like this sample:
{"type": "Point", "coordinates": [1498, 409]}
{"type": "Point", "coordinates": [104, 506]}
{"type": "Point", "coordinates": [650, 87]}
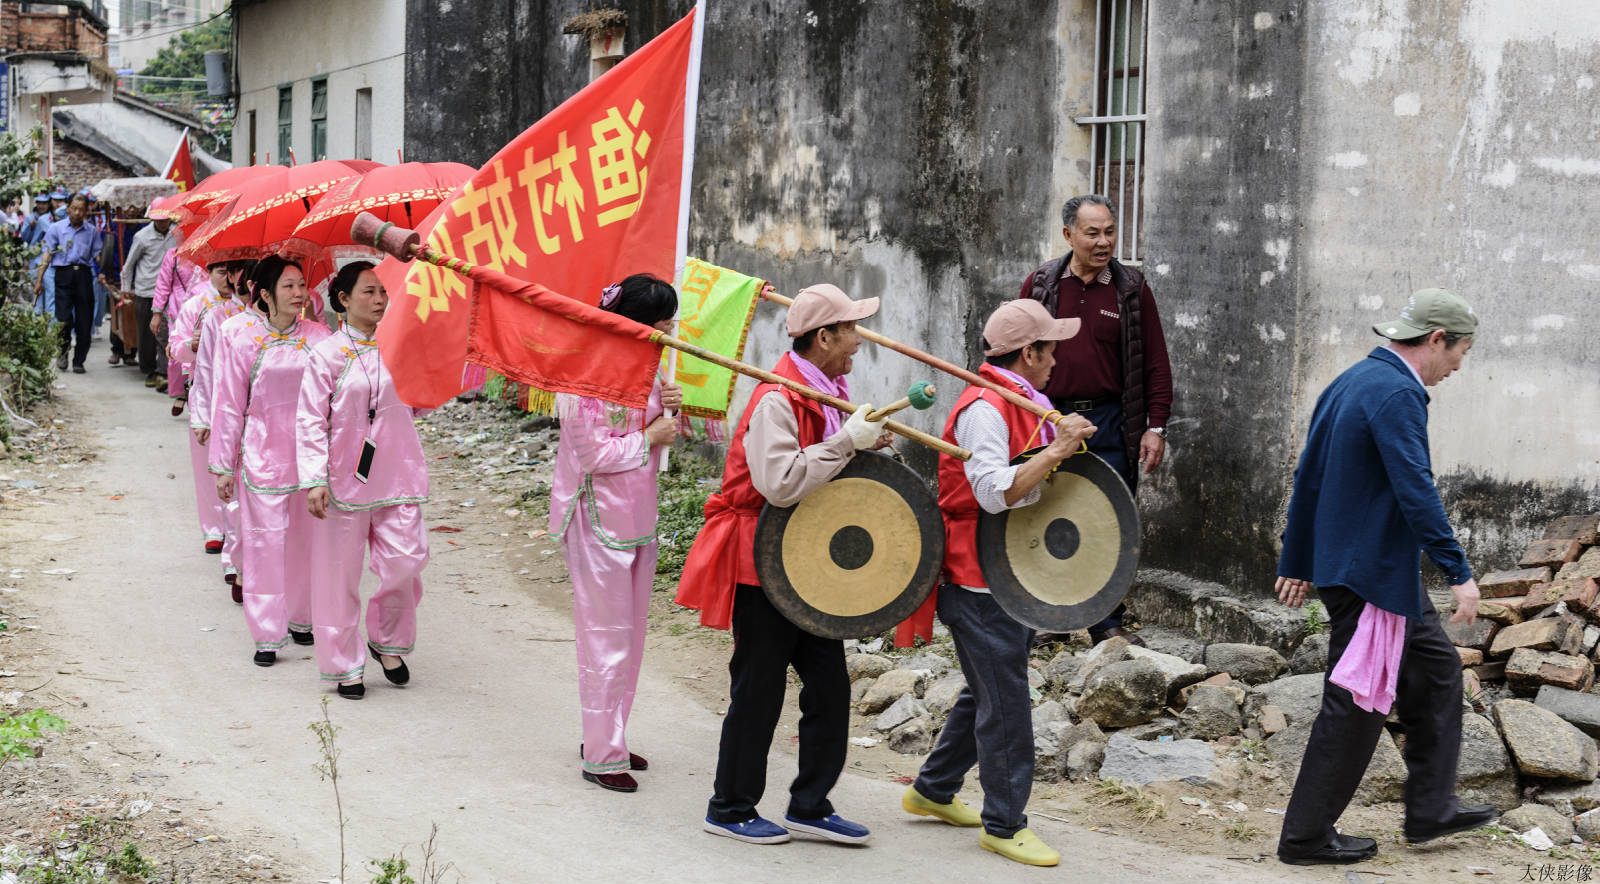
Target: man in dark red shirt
{"type": "Point", "coordinates": [1116, 373]}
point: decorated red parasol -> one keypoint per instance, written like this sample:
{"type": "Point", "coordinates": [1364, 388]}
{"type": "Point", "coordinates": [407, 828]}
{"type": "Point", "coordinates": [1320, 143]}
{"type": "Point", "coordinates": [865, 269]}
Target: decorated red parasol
{"type": "Point", "coordinates": [165, 208]}
{"type": "Point", "coordinates": [194, 207]}
{"type": "Point", "coordinates": [404, 194]}
{"type": "Point", "coordinates": [266, 210]}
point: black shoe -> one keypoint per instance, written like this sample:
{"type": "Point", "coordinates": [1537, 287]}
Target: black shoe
{"type": "Point", "coordinates": [78, 369]}
{"type": "Point", "coordinates": [635, 762]}
{"type": "Point", "coordinates": [1115, 632]}
{"type": "Point", "coordinates": [61, 362]}
{"type": "Point", "coordinates": [1465, 820]}
{"type": "Point", "coordinates": [353, 691]}
{"type": "Point", "coordinates": [398, 675]}
{"type": "Point", "coordinates": [266, 658]}
{"type": "Point", "coordinates": [1342, 849]}
{"type": "Point", "coordinates": [302, 638]}
{"type": "Point", "coordinates": [616, 782]}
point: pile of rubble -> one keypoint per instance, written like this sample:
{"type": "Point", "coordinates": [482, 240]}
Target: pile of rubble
{"type": "Point", "coordinates": [1183, 710]}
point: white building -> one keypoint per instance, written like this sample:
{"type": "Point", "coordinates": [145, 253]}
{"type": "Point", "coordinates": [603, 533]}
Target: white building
{"type": "Point", "coordinates": [319, 80]}
{"type": "Point", "coordinates": [141, 28]}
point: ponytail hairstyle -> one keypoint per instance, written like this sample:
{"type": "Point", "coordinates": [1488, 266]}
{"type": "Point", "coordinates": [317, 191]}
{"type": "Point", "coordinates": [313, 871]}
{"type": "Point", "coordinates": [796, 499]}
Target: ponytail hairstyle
{"type": "Point", "coordinates": [264, 279]}
{"type": "Point", "coordinates": [643, 298]}
{"type": "Point", "coordinates": [344, 282]}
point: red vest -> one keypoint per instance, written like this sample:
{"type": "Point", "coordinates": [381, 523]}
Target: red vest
{"type": "Point", "coordinates": [723, 555]}
{"type": "Point", "coordinates": [957, 504]}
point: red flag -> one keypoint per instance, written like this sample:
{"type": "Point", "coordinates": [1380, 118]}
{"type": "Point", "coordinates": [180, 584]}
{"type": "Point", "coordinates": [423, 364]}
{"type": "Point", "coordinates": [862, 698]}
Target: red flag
{"type": "Point", "coordinates": [591, 193]}
{"type": "Point", "coordinates": [181, 167]}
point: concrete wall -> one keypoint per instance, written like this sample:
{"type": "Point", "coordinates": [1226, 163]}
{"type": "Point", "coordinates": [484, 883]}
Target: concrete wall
{"type": "Point", "coordinates": [356, 44]}
{"type": "Point", "coordinates": [1307, 166]}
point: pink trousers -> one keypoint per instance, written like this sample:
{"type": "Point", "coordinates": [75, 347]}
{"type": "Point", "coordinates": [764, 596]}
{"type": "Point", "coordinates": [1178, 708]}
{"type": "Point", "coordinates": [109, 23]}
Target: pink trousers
{"type": "Point", "coordinates": [274, 545]}
{"type": "Point", "coordinates": [399, 551]}
{"type": "Point", "coordinates": [230, 534]}
{"type": "Point", "coordinates": [205, 493]}
{"type": "Point", "coordinates": [610, 606]}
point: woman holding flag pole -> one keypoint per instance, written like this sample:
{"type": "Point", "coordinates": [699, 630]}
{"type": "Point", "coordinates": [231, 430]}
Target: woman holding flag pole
{"type": "Point", "coordinates": [603, 508]}
{"type": "Point", "coordinates": [262, 355]}
{"type": "Point", "coordinates": [362, 463]}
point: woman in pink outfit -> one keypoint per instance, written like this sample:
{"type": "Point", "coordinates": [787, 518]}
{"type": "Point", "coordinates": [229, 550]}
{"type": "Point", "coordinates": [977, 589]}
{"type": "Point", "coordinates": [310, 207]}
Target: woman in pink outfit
{"type": "Point", "coordinates": [256, 393]}
{"type": "Point", "coordinates": [177, 282]}
{"type": "Point", "coordinates": [603, 507]}
{"type": "Point", "coordinates": [200, 350]}
{"type": "Point", "coordinates": [182, 344]}
{"type": "Point", "coordinates": [361, 459]}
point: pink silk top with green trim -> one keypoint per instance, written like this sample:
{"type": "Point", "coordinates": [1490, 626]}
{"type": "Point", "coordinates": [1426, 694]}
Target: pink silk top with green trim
{"type": "Point", "coordinates": [605, 470]}
{"type": "Point", "coordinates": [346, 398]}
{"type": "Point", "coordinates": [256, 398]}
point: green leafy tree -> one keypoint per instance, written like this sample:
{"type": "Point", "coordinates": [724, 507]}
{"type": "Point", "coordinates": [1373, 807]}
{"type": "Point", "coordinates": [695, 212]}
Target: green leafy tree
{"type": "Point", "coordinates": [184, 59]}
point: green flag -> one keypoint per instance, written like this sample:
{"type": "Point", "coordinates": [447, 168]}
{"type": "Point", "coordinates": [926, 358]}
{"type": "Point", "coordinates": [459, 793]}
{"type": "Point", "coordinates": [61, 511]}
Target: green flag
{"type": "Point", "coordinates": [715, 306]}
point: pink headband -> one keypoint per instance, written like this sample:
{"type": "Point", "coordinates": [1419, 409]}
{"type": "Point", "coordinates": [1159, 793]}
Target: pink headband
{"type": "Point", "coordinates": [610, 294]}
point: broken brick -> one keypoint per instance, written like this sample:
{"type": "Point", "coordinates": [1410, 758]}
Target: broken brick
{"type": "Point", "coordinates": [1543, 553]}
{"type": "Point", "coordinates": [1272, 720]}
{"type": "Point", "coordinates": [1504, 584]}
{"type": "Point", "coordinates": [1495, 671]}
{"type": "Point", "coordinates": [1584, 529]}
{"type": "Point", "coordinates": [1543, 595]}
{"type": "Point", "coordinates": [1221, 680]}
{"type": "Point", "coordinates": [1579, 594]}
{"type": "Point", "coordinates": [1470, 656]}
{"type": "Point", "coordinates": [1563, 634]}
{"type": "Point", "coordinates": [1502, 611]}
{"type": "Point", "coordinates": [1529, 669]}
{"type": "Point", "coordinates": [1477, 634]}
{"type": "Point", "coordinates": [1587, 566]}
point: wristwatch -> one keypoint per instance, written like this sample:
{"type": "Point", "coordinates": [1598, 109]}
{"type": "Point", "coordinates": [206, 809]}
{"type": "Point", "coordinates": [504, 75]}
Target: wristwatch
{"type": "Point", "coordinates": [1159, 431]}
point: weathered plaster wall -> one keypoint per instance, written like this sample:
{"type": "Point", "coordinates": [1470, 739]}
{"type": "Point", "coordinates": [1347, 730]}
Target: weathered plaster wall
{"type": "Point", "coordinates": [1222, 254]}
{"type": "Point", "coordinates": [1455, 144]}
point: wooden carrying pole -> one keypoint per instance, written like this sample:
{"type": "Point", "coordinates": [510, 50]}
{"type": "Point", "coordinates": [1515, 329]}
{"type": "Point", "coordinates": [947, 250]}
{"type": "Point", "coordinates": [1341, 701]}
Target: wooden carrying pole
{"type": "Point", "coordinates": [405, 245]}
{"type": "Point", "coordinates": [971, 377]}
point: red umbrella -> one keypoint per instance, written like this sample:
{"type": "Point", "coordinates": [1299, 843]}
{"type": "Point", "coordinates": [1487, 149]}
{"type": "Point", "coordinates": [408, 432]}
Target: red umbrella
{"type": "Point", "coordinates": [163, 208]}
{"type": "Point", "coordinates": [266, 211]}
{"type": "Point", "coordinates": [210, 195]}
{"type": "Point", "coordinates": [404, 194]}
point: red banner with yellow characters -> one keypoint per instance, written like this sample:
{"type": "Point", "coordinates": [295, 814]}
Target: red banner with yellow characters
{"type": "Point", "coordinates": [592, 193]}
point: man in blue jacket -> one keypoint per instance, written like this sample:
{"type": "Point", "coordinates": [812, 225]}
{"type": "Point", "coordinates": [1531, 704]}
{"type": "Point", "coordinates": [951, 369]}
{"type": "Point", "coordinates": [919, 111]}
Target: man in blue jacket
{"type": "Point", "coordinates": [1364, 507]}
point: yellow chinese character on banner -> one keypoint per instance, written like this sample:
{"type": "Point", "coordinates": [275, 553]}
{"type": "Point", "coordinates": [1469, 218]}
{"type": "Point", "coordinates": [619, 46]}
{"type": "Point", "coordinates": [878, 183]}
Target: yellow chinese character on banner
{"type": "Point", "coordinates": [617, 174]}
{"type": "Point", "coordinates": [433, 286]}
{"type": "Point", "coordinates": [497, 234]}
{"type": "Point", "coordinates": [699, 278]}
{"type": "Point", "coordinates": [564, 192]}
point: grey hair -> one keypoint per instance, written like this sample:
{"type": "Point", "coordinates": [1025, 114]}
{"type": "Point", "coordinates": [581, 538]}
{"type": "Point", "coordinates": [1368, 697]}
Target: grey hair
{"type": "Point", "coordinates": [1069, 212]}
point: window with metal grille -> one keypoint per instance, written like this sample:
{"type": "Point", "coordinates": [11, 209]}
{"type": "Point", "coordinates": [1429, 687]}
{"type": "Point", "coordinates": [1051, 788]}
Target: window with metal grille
{"type": "Point", "coordinates": [285, 122]}
{"type": "Point", "coordinates": [319, 118]}
{"type": "Point", "coordinates": [1116, 155]}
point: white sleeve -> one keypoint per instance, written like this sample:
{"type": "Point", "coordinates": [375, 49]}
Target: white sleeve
{"type": "Point", "coordinates": [982, 430]}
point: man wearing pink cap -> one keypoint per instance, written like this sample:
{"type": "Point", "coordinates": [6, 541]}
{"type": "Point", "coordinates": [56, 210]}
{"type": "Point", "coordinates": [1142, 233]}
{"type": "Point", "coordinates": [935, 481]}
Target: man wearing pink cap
{"type": "Point", "coordinates": [991, 723]}
{"type": "Point", "coordinates": [785, 447]}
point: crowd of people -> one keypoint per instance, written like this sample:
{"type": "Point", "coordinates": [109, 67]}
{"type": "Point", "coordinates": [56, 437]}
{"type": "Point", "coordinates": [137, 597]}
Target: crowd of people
{"type": "Point", "coordinates": [299, 442]}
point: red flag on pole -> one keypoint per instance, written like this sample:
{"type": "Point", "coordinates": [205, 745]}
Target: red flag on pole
{"type": "Point", "coordinates": [591, 193]}
{"type": "Point", "coordinates": [181, 167]}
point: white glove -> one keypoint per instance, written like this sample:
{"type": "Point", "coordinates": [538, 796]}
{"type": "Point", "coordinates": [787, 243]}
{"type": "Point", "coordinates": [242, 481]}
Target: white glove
{"type": "Point", "coordinates": [862, 433]}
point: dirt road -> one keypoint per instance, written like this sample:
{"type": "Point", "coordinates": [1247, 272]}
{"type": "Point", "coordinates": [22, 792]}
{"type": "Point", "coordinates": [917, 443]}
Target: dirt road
{"type": "Point", "coordinates": [483, 741]}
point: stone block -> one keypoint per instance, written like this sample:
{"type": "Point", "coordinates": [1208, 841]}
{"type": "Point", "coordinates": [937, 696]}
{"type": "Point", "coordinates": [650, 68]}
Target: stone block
{"type": "Point", "coordinates": [1385, 776]}
{"type": "Point", "coordinates": [889, 687]}
{"type": "Point", "coordinates": [1490, 672]}
{"type": "Point", "coordinates": [1572, 799]}
{"type": "Point", "coordinates": [1502, 611]}
{"type": "Point", "coordinates": [1541, 596]}
{"type": "Point", "coordinates": [1061, 669]}
{"type": "Point", "coordinates": [1484, 774]}
{"type": "Point", "coordinates": [859, 666]}
{"type": "Point", "coordinates": [1221, 679]}
{"type": "Point", "coordinates": [1085, 759]}
{"type": "Point", "coordinates": [1587, 566]}
{"type": "Point", "coordinates": [1574, 707]}
{"type": "Point", "coordinates": [914, 737]}
{"type": "Point", "coordinates": [1212, 611]}
{"type": "Point", "coordinates": [1477, 634]}
{"type": "Point", "coordinates": [1563, 634]}
{"type": "Point", "coordinates": [1180, 673]}
{"type": "Point", "coordinates": [1583, 528]}
{"type": "Point", "coordinates": [1140, 762]}
{"type": "Point", "coordinates": [1545, 746]}
{"type": "Point", "coordinates": [1251, 664]}
{"type": "Point", "coordinates": [941, 698]}
{"type": "Point", "coordinates": [1554, 823]}
{"type": "Point", "coordinates": [1271, 720]}
{"type": "Point", "coordinates": [1212, 714]}
{"type": "Point", "coordinates": [1470, 656]}
{"type": "Point", "coordinates": [1312, 655]}
{"type": "Point", "coordinates": [1504, 584]}
{"type": "Point", "coordinates": [1587, 825]}
{"type": "Point", "coordinates": [1528, 669]}
{"type": "Point", "coordinates": [1550, 553]}
{"type": "Point", "coordinates": [900, 712]}
{"type": "Point", "coordinates": [1580, 594]}
{"type": "Point", "coordinates": [1298, 696]}
{"type": "Point", "coordinates": [1123, 694]}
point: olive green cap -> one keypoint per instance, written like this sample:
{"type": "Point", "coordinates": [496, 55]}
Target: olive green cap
{"type": "Point", "coordinates": [1427, 311]}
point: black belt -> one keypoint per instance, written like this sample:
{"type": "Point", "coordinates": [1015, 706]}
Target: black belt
{"type": "Point", "coordinates": [71, 266]}
{"type": "Point", "coordinates": [1083, 404]}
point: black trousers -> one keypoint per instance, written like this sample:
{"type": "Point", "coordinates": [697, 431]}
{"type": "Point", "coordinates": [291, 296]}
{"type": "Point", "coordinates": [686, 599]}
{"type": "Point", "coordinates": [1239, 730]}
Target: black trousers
{"type": "Point", "coordinates": [1428, 701]}
{"type": "Point", "coordinates": [75, 308]}
{"type": "Point", "coordinates": [147, 339]}
{"type": "Point", "coordinates": [765, 645]}
{"type": "Point", "coordinates": [991, 724]}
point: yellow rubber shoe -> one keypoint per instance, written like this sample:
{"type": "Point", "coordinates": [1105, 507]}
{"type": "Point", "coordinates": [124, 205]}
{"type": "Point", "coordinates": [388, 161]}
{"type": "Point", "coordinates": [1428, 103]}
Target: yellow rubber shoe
{"type": "Point", "coordinates": [956, 813]}
{"type": "Point", "coordinates": [1023, 847]}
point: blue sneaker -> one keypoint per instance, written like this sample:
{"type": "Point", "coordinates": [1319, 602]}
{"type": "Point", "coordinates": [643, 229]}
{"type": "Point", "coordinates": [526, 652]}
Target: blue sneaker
{"type": "Point", "coordinates": [754, 831]}
{"type": "Point", "coordinates": [832, 827]}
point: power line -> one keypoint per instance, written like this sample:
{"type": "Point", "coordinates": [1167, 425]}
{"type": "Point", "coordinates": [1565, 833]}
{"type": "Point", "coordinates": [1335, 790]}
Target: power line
{"type": "Point", "coordinates": [225, 11]}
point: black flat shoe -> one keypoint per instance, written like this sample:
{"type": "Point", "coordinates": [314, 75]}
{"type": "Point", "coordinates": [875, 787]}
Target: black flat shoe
{"type": "Point", "coordinates": [1341, 850]}
{"type": "Point", "coordinates": [353, 691]}
{"type": "Point", "coordinates": [302, 638]}
{"type": "Point", "coordinates": [635, 762]}
{"type": "Point", "coordinates": [265, 658]}
{"type": "Point", "coordinates": [238, 593]}
{"type": "Point", "coordinates": [616, 782]}
{"type": "Point", "coordinates": [1465, 820]}
{"type": "Point", "coordinates": [398, 675]}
